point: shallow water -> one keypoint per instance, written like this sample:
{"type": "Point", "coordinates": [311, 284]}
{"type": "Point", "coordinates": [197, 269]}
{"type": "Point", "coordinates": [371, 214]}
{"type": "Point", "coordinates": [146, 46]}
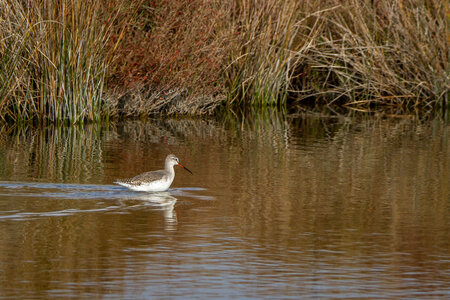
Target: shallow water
{"type": "Point", "coordinates": [285, 207]}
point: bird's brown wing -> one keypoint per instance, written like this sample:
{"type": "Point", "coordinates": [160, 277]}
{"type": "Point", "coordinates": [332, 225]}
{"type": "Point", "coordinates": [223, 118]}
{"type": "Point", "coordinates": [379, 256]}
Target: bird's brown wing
{"type": "Point", "coordinates": [144, 177]}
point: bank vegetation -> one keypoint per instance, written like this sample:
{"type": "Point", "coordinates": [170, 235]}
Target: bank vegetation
{"type": "Point", "coordinates": [76, 61]}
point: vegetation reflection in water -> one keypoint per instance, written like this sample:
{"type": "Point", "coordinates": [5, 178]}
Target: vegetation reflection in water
{"type": "Point", "coordinates": [302, 206]}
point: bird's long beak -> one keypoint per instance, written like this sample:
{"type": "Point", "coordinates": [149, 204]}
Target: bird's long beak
{"type": "Point", "coordinates": [185, 168]}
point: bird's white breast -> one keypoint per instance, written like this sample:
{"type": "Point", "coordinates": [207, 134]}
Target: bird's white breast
{"type": "Point", "coordinates": [152, 186]}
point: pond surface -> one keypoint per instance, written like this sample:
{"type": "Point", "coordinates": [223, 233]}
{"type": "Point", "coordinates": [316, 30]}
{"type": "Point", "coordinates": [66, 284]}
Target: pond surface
{"type": "Point", "coordinates": [285, 207]}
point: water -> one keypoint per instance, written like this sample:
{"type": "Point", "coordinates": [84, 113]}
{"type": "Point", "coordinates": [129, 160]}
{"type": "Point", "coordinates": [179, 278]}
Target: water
{"type": "Point", "coordinates": [285, 207]}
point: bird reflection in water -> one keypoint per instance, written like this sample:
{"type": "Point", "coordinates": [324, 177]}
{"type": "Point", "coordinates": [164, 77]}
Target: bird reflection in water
{"type": "Point", "coordinates": [162, 201]}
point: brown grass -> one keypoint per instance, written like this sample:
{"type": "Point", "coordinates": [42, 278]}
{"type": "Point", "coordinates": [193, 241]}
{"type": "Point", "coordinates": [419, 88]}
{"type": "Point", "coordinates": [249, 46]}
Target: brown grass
{"type": "Point", "coordinates": [259, 53]}
{"type": "Point", "coordinates": [172, 45]}
{"type": "Point", "coordinates": [190, 56]}
{"type": "Point", "coordinates": [387, 52]}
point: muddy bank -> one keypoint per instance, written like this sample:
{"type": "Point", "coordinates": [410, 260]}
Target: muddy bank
{"type": "Point", "coordinates": [146, 102]}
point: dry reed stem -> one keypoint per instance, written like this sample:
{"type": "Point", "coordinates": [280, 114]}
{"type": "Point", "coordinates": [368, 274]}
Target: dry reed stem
{"type": "Point", "coordinates": [55, 57]}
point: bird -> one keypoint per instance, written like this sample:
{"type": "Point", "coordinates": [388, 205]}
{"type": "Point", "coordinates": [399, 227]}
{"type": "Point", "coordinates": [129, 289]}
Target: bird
{"type": "Point", "coordinates": [154, 181]}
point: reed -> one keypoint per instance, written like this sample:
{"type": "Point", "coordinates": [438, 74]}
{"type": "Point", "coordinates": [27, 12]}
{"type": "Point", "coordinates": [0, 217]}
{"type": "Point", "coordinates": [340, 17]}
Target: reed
{"type": "Point", "coordinates": [54, 60]}
{"type": "Point", "coordinates": [266, 45]}
{"type": "Point", "coordinates": [265, 53]}
{"type": "Point", "coordinates": [354, 52]}
{"type": "Point", "coordinates": [380, 52]}
{"type": "Point", "coordinates": [71, 61]}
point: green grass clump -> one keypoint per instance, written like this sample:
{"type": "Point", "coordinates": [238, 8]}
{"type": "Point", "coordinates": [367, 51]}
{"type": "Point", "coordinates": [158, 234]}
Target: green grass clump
{"type": "Point", "coordinates": [54, 58]}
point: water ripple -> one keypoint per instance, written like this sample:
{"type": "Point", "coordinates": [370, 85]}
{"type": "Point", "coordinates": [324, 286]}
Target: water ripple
{"type": "Point", "coordinates": [90, 199]}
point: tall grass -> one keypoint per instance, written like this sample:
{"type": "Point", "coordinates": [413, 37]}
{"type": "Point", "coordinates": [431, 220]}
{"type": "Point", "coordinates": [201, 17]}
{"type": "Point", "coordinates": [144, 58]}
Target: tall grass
{"type": "Point", "coordinates": [352, 52]}
{"type": "Point", "coordinates": [74, 61]}
{"type": "Point", "coordinates": [382, 52]}
{"type": "Point", "coordinates": [272, 52]}
{"type": "Point", "coordinates": [262, 55]}
{"type": "Point", "coordinates": [53, 60]}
